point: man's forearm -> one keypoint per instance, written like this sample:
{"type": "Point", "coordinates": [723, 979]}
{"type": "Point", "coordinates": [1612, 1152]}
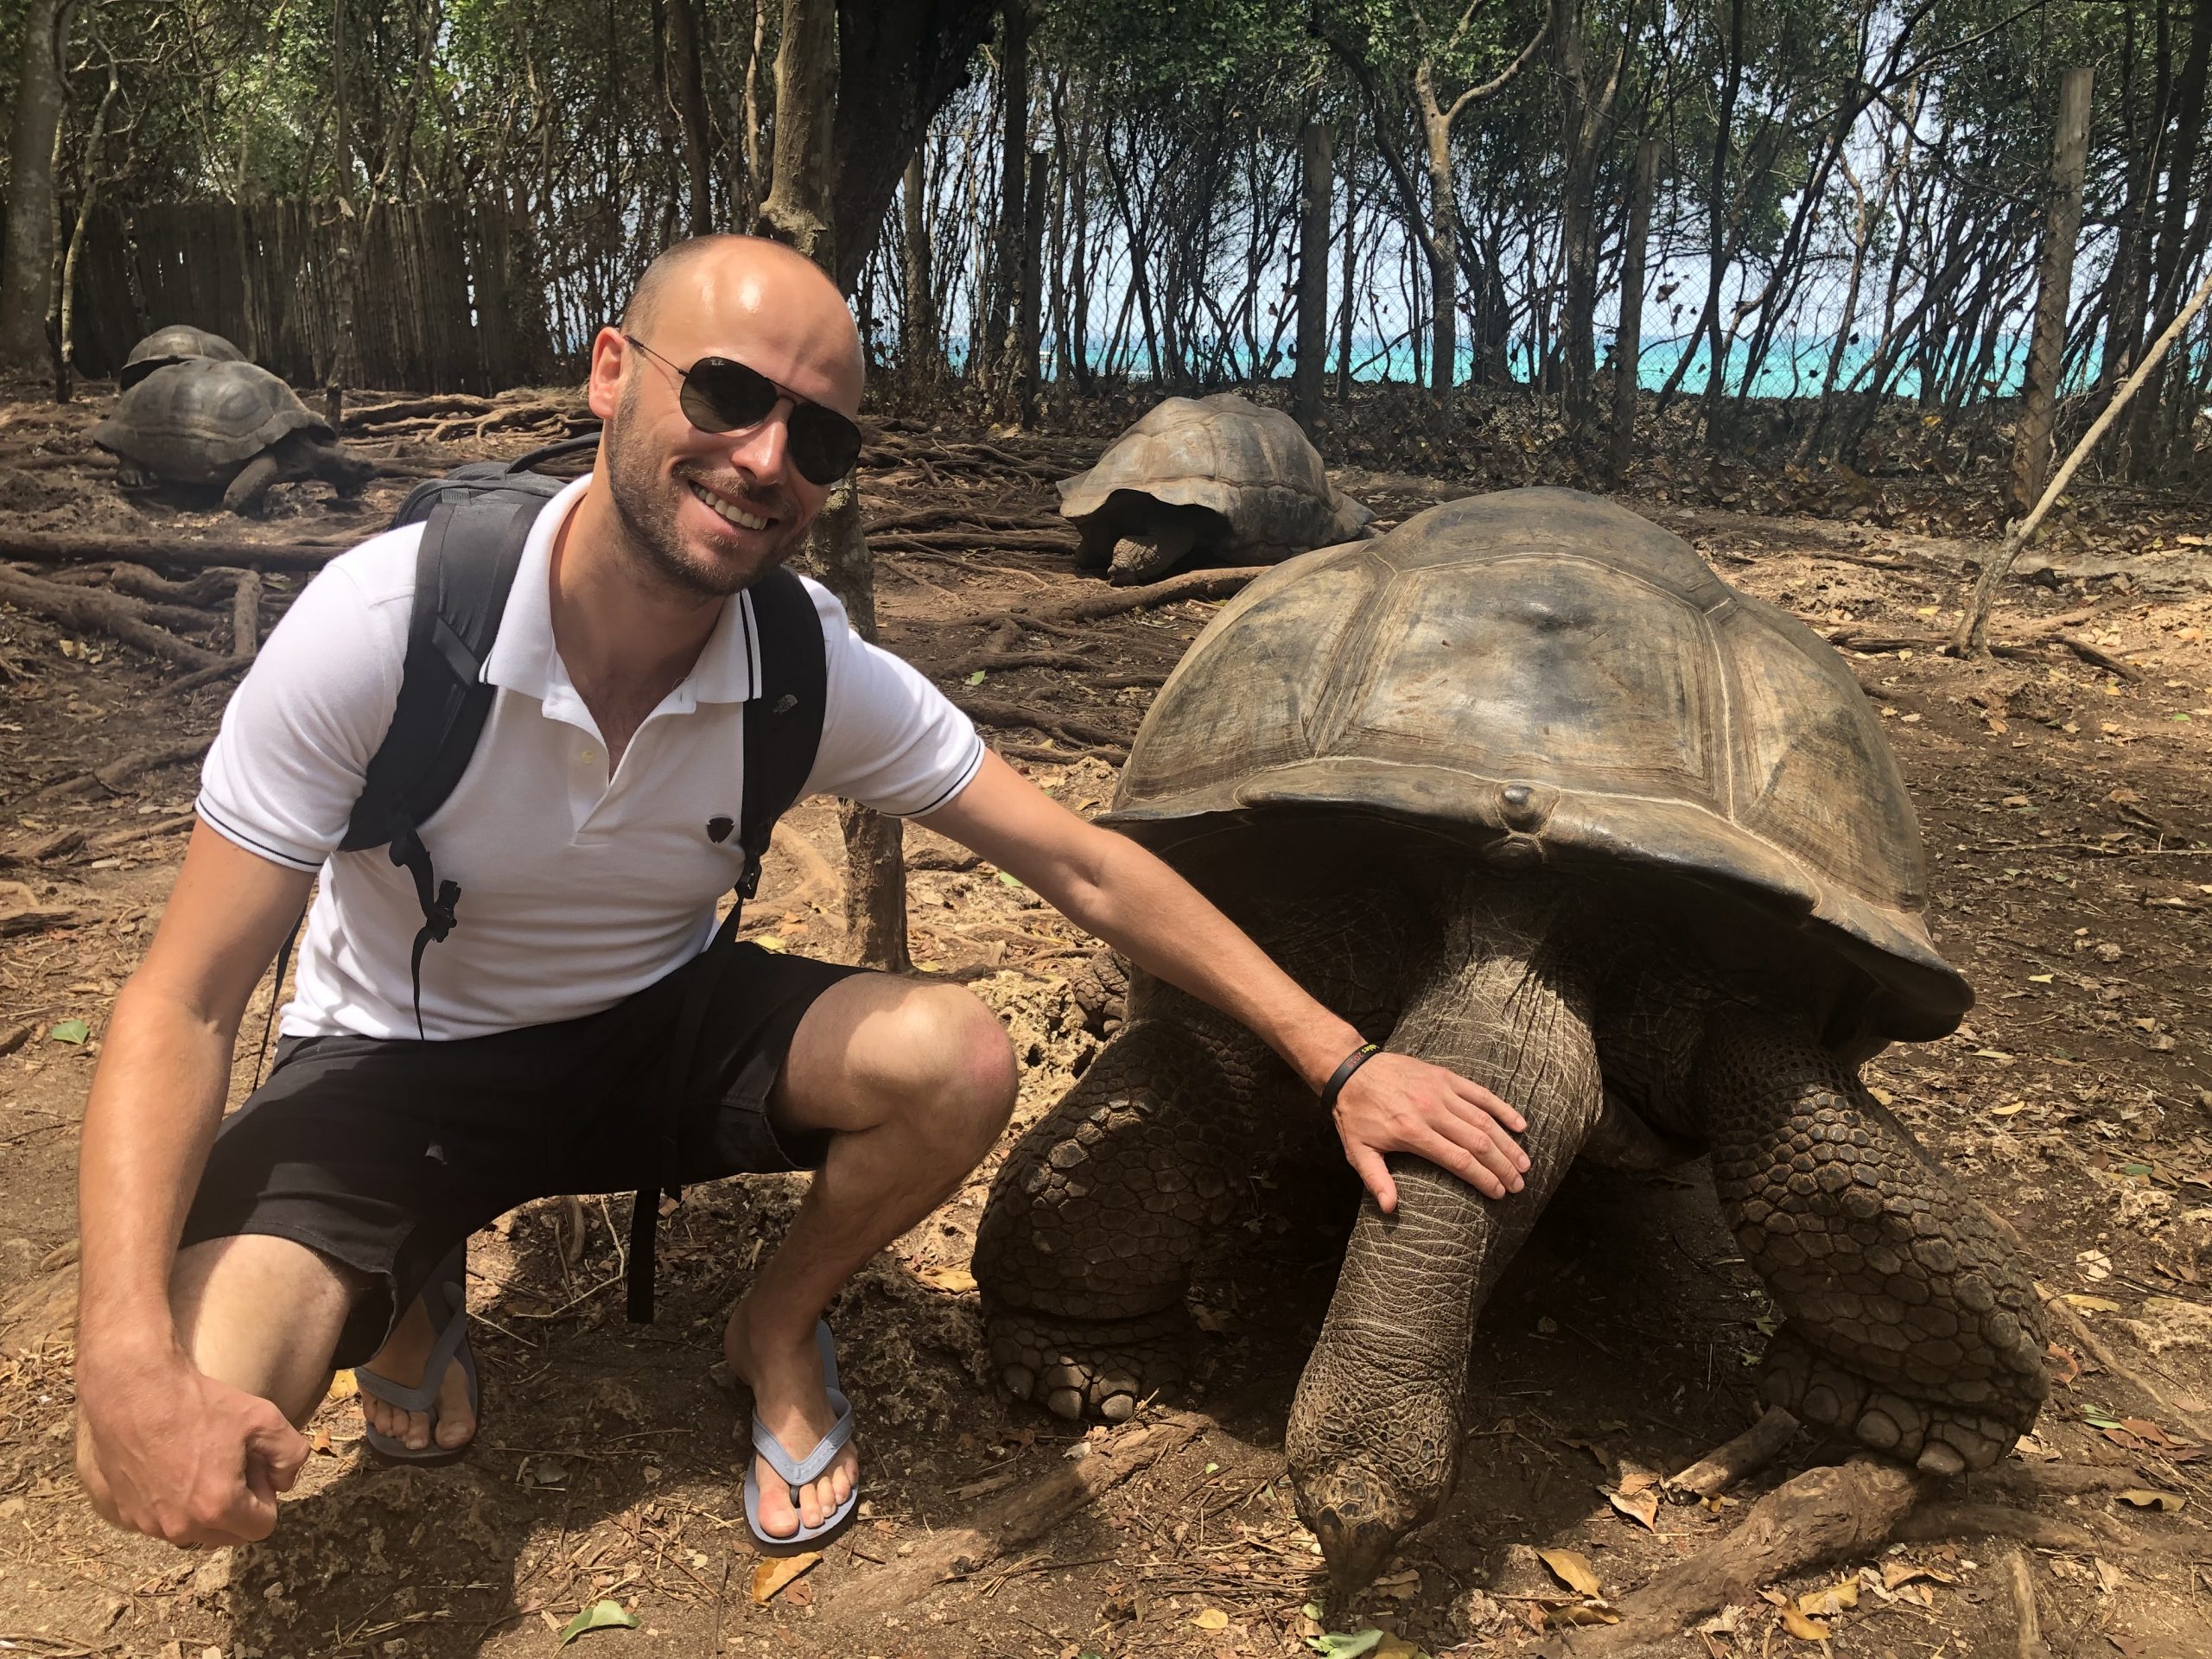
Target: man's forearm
{"type": "Point", "coordinates": [156, 1100]}
{"type": "Point", "coordinates": [1134, 901]}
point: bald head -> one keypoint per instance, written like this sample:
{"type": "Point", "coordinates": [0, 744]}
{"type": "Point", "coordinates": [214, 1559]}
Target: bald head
{"type": "Point", "coordinates": [731, 287]}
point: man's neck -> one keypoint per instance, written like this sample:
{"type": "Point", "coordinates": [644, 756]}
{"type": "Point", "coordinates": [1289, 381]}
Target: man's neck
{"type": "Point", "coordinates": [616, 624]}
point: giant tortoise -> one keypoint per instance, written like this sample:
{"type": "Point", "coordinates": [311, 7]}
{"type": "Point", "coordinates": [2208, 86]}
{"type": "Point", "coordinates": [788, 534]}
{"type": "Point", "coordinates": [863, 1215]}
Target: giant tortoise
{"type": "Point", "coordinates": [177, 343]}
{"type": "Point", "coordinates": [207, 423]}
{"type": "Point", "coordinates": [1217, 476]}
{"type": "Point", "coordinates": [1523, 788]}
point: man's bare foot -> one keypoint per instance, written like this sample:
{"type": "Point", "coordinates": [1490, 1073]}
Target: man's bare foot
{"type": "Point", "coordinates": [791, 1401]}
{"type": "Point", "coordinates": [401, 1360]}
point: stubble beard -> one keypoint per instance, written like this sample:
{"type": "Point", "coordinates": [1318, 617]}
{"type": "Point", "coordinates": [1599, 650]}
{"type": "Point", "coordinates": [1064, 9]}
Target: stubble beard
{"type": "Point", "coordinates": [646, 505]}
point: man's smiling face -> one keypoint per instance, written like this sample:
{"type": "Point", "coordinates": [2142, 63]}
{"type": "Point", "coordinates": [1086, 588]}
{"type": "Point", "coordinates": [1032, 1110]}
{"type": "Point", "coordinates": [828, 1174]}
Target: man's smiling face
{"type": "Point", "coordinates": [711, 512]}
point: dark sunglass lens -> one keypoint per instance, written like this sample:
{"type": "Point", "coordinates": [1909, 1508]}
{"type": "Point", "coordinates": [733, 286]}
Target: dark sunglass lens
{"type": "Point", "coordinates": [721, 396]}
{"type": "Point", "coordinates": [824, 444]}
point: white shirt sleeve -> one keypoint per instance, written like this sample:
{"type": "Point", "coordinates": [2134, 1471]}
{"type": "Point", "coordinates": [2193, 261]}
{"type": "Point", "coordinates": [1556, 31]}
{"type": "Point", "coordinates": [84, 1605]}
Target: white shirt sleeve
{"type": "Point", "coordinates": [287, 766]}
{"type": "Point", "coordinates": [890, 740]}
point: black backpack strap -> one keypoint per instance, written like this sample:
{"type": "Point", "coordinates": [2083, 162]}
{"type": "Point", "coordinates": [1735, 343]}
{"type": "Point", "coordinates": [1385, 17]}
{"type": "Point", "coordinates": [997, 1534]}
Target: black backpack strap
{"type": "Point", "coordinates": [464, 570]}
{"type": "Point", "coordinates": [783, 730]}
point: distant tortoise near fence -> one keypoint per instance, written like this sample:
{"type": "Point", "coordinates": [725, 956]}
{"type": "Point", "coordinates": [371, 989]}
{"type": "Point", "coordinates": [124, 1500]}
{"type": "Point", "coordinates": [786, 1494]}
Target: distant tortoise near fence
{"type": "Point", "coordinates": [204, 423]}
{"type": "Point", "coordinates": [1523, 788]}
{"type": "Point", "coordinates": [1215, 477]}
{"type": "Point", "coordinates": [177, 343]}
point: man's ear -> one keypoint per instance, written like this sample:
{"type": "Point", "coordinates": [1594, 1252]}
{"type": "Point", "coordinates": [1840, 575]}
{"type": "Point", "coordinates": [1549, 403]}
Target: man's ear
{"type": "Point", "coordinates": [603, 390]}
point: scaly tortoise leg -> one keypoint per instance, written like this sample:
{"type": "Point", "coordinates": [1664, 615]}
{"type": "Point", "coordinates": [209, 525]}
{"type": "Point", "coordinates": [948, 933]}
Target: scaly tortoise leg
{"type": "Point", "coordinates": [1094, 1220]}
{"type": "Point", "coordinates": [1912, 1322]}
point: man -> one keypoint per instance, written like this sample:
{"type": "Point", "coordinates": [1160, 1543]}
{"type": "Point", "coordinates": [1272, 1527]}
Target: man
{"type": "Point", "coordinates": [219, 1288]}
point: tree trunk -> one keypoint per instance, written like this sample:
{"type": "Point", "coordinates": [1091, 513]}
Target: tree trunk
{"type": "Point", "coordinates": [2170, 274]}
{"type": "Point", "coordinates": [756, 171]}
{"type": "Point", "coordinates": [1628, 337]}
{"type": "Point", "coordinates": [87, 197]}
{"type": "Point", "coordinates": [2031, 450]}
{"type": "Point", "coordinates": [1029, 310]}
{"type": "Point", "coordinates": [1586, 109]}
{"type": "Point", "coordinates": [921, 353]}
{"type": "Point", "coordinates": [691, 112]}
{"type": "Point", "coordinates": [1443, 264]}
{"type": "Point", "coordinates": [342, 367]}
{"type": "Point", "coordinates": [1014, 193]}
{"type": "Point", "coordinates": [1347, 318]}
{"type": "Point", "coordinates": [1313, 276]}
{"type": "Point", "coordinates": [798, 211]}
{"type": "Point", "coordinates": [27, 256]}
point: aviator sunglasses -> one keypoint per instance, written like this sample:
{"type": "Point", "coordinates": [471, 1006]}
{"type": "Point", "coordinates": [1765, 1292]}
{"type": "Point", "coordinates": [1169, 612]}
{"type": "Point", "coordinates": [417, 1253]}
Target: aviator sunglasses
{"type": "Point", "coordinates": [720, 394]}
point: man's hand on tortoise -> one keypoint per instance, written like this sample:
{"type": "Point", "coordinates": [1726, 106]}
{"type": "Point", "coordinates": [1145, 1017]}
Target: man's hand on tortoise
{"type": "Point", "coordinates": [1397, 1104]}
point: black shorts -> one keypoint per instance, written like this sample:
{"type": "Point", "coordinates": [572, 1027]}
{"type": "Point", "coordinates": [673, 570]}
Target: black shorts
{"type": "Point", "coordinates": [383, 1154]}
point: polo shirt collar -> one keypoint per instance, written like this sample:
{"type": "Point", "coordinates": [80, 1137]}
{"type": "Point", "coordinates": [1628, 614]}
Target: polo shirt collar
{"type": "Point", "coordinates": [524, 659]}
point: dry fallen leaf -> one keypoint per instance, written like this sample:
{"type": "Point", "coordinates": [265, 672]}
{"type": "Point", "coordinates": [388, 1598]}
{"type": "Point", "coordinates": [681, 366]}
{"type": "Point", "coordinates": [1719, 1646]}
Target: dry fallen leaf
{"type": "Point", "coordinates": [2090, 1304]}
{"type": "Point", "coordinates": [343, 1387]}
{"type": "Point", "coordinates": [1839, 1596]}
{"type": "Point", "coordinates": [2143, 1497]}
{"type": "Point", "coordinates": [776, 1571]}
{"type": "Point", "coordinates": [1642, 1508]}
{"type": "Point", "coordinates": [1723, 1623]}
{"type": "Point", "coordinates": [1634, 1480]}
{"type": "Point", "coordinates": [1571, 1568]}
{"type": "Point", "coordinates": [1211, 1620]}
{"type": "Point", "coordinates": [1804, 1629]}
{"type": "Point", "coordinates": [1586, 1612]}
{"type": "Point", "coordinates": [953, 1279]}
{"type": "Point", "coordinates": [1897, 1573]}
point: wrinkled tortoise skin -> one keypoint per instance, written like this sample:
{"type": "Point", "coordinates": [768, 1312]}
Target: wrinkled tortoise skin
{"type": "Point", "coordinates": [1523, 788]}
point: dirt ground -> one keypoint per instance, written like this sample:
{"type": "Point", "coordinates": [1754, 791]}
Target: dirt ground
{"type": "Point", "coordinates": [2065, 792]}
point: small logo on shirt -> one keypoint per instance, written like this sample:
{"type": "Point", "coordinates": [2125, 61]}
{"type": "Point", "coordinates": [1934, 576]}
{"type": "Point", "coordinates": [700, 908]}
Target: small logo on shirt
{"type": "Point", "coordinates": [784, 704]}
{"type": "Point", "coordinates": [718, 829]}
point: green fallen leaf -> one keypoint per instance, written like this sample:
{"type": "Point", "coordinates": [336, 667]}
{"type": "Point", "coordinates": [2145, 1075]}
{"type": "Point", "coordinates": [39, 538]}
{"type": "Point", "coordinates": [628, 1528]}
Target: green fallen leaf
{"type": "Point", "coordinates": [70, 1031]}
{"type": "Point", "coordinates": [1010, 880]}
{"type": "Point", "coordinates": [1336, 1644]}
{"type": "Point", "coordinates": [770, 941]}
{"type": "Point", "coordinates": [977, 677]}
{"type": "Point", "coordinates": [600, 1615]}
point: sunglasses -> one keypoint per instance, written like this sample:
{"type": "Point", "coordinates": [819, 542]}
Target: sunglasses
{"type": "Point", "coordinates": [720, 394]}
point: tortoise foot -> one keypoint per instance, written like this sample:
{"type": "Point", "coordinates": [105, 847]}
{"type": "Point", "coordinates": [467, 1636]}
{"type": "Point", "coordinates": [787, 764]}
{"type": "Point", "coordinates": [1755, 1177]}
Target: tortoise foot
{"type": "Point", "coordinates": [1938, 1437]}
{"type": "Point", "coordinates": [1088, 1368]}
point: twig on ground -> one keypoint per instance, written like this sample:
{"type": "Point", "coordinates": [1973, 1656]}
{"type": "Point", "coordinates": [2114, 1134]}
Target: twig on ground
{"type": "Point", "coordinates": [2027, 1624]}
{"type": "Point", "coordinates": [1745, 1455]}
{"type": "Point", "coordinates": [246, 615]}
{"type": "Point", "coordinates": [992, 712]}
{"type": "Point", "coordinates": [2151, 1394]}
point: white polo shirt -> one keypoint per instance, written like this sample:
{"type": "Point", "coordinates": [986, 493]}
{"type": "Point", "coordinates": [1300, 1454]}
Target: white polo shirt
{"type": "Point", "coordinates": [576, 889]}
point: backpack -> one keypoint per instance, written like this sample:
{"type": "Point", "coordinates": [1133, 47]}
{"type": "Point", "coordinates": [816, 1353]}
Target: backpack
{"type": "Point", "coordinates": [475, 521]}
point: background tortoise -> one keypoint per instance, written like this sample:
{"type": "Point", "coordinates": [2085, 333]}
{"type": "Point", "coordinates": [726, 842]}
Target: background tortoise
{"type": "Point", "coordinates": [209, 423]}
{"type": "Point", "coordinates": [1219, 476]}
{"type": "Point", "coordinates": [1523, 788]}
{"type": "Point", "coordinates": [175, 344]}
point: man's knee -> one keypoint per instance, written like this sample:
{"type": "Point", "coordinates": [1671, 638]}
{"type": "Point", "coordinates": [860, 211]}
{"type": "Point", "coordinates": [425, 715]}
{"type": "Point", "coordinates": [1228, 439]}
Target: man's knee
{"type": "Point", "coordinates": [948, 1065]}
{"type": "Point", "coordinates": [261, 1313]}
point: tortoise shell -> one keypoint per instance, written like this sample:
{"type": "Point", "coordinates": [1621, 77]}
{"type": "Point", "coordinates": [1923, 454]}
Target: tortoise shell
{"type": "Point", "coordinates": [1251, 466]}
{"type": "Point", "coordinates": [197, 421]}
{"type": "Point", "coordinates": [1545, 678]}
{"type": "Point", "coordinates": [173, 344]}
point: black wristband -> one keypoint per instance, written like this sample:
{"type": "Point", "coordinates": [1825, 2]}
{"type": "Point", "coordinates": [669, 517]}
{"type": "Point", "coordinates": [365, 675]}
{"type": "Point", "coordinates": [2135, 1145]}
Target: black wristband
{"type": "Point", "coordinates": [1342, 1075]}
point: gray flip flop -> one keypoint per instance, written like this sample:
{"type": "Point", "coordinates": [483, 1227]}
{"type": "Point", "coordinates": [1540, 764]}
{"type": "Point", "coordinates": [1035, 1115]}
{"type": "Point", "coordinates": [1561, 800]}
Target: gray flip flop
{"type": "Point", "coordinates": [444, 1298]}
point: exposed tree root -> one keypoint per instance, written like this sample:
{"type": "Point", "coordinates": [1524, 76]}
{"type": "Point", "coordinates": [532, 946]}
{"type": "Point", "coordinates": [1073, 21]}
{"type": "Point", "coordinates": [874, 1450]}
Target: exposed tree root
{"type": "Point", "coordinates": [1009, 1522]}
{"type": "Point", "coordinates": [1940, 1521]}
{"type": "Point", "coordinates": [1745, 1455]}
{"type": "Point", "coordinates": [1848, 1509]}
{"type": "Point", "coordinates": [35, 549]}
{"type": "Point", "coordinates": [992, 712]}
{"type": "Point", "coordinates": [245, 614]}
{"type": "Point", "coordinates": [88, 608]}
{"type": "Point", "coordinates": [117, 776]}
